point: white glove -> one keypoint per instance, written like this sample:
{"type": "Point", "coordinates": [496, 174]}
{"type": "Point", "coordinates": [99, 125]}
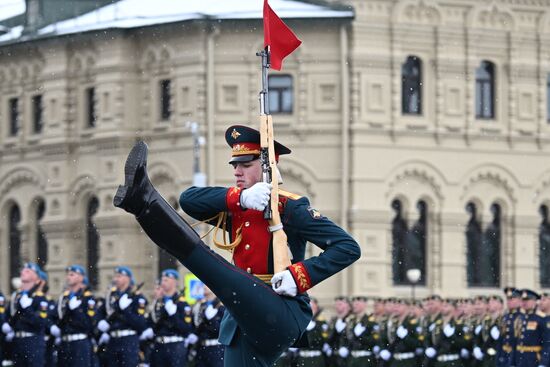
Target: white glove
{"type": "Point", "coordinates": [310, 326]}
{"type": "Point", "coordinates": [339, 325]}
{"type": "Point", "coordinates": [210, 312]}
{"type": "Point", "coordinates": [10, 336]}
{"type": "Point", "coordinates": [256, 197]}
{"type": "Point", "coordinates": [419, 351]}
{"type": "Point", "coordinates": [478, 353]}
{"type": "Point", "coordinates": [343, 352]}
{"type": "Point", "coordinates": [477, 330]}
{"type": "Point", "coordinates": [191, 339]}
{"type": "Point", "coordinates": [327, 349]}
{"type": "Point", "coordinates": [464, 353]}
{"type": "Point", "coordinates": [25, 301]}
{"type": "Point", "coordinates": [385, 354]}
{"type": "Point", "coordinates": [283, 283]}
{"type": "Point", "coordinates": [124, 301]}
{"type": "Point", "coordinates": [359, 329]}
{"type": "Point", "coordinates": [430, 352]}
{"type": "Point", "coordinates": [495, 333]}
{"type": "Point", "coordinates": [376, 349]}
{"type": "Point", "coordinates": [104, 338]}
{"type": "Point", "coordinates": [147, 334]}
{"type": "Point", "coordinates": [55, 331]}
{"type": "Point", "coordinates": [448, 330]}
{"type": "Point", "coordinates": [170, 307]}
{"type": "Point", "coordinates": [57, 341]}
{"type": "Point", "coordinates": [6, 328]}
{"type": "Point", "coordinates": [74, 303]}
{"type": "Point", "coordinates": [103, 326]}
{"type": "Point", "coordinates": [402, 332]}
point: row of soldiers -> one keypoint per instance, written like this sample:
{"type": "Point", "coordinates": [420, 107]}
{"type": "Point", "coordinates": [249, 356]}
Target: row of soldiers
{"type": "Point", "coordinates": [122, 329]}
{"type": "Point", "coordinates": [478, 332]}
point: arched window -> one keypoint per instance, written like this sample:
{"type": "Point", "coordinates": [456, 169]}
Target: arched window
{"type": "Point", "coordinates": [14, 241]}
{"type": "Point", "coordinates": [416, 242]}
{"type": "Point", "coordinates": [485, 90]}
{"type": "Point", "coordinates": [92, 243]}
{"type": "Point", "coordinates": [473, 241]}
{"type": "Point", "coordinates": [41, 242]}
{"type": "Point", "coordinates": [544, 248]}
{"type": "Point", "coordinates": [399, 239]}
{"type": "Point", "coordinates": [484, 249]}
{"type": "Point", "coordinates": [411, 86]}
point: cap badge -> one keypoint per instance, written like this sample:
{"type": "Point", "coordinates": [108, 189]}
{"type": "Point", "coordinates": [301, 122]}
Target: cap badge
{"type": "Point", "coordinates": [235, 134]}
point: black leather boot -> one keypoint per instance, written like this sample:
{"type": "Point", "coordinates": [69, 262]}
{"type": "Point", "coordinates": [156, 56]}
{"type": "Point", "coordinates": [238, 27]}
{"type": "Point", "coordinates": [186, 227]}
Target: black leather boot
{"type": "Point", "coordinates": [157, 218]}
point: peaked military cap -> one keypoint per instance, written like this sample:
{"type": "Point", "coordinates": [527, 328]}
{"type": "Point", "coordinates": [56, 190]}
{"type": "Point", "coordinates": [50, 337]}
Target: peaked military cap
{"type": "Point", "coordinates": [529, 294]}
{"type": "Point", "coordinates": [359, 298]}
{"type": "Point", "coordinates": [245, 144]}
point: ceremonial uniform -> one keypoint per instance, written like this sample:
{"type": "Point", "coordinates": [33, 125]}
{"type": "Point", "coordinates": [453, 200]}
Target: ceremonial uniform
{"type": "Point", "coordinates": [76, 313]}
{"type": "Point", "coordinates": [209, 317]}
{"type": "Point", "coordinates": [362, 341]}
{"type": "Point", "coordinates": [339, 342]}
{"type": "Point", "coordinates": [509, 337]}
{"type": "Point", "coordinates": [259, 323]}
{"type": "Point", "coordinates": [408, 337]}
{"type": "Point", "coordinates": [488, 341]}
{"type": "Point", "coordinates": [533, 345]}
{"type": "Point", "coordinates": [171, 328]}
{"type": "Point", "coordinates": [444, 343]}
{"type": "Point", "coordinates": [125, 326]}
{"type": "Point", "coordinates": [28, 318]}
{"type": "Point", "coordinates": [317, 337]}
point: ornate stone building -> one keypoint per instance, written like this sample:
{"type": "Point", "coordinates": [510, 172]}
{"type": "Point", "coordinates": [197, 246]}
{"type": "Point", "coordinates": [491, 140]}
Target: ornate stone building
{"type": "Point", "coordinates": [420, 126]}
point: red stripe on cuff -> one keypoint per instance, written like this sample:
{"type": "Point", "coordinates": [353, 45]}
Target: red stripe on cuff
{"type": "Point", "coordinates": [301, 277]}
{"type": "Point", "coordinates": [233, 199]}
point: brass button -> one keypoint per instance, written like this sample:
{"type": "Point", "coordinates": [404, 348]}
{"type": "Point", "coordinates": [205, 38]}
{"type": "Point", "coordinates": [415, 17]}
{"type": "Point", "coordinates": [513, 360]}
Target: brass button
{"type": "Point", "coordinates": [248, 270]}
{"type": "Point", "coordinates": [247, 224]}
{"type": "Point", "coordinates": [247, 247]}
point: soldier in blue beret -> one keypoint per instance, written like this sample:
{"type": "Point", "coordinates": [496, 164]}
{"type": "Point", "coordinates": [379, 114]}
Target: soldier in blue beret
{"type": "Point", "coordinates": [172, 324]}
{"type": "Point", "coordinates": [3, 302]}
{"type": "Point", "coordinates": [262, 320]}
{"type": "Point", "coordinates": [27, 319]}
{"type": "Point", "coordinates": [209, 313]}
{"type": "Point", "coordinates": [533, 343]}
{"type": "Point", "coordinates": [75, 321]}
{"type": "Point", "coordinates": [51, 352]}
{"type": "Point", "coordinates": [122, 320]}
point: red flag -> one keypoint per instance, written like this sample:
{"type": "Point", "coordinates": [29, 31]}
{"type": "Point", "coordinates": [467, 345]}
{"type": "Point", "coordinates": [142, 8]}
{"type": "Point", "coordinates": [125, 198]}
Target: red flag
{"type": "Point", "coordinates": [280, 39]}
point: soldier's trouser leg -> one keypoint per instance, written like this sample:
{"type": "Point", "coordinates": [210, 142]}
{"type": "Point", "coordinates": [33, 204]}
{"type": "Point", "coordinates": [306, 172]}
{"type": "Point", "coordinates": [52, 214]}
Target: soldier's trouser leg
{"type": "Point", "coordinates": [169, 355]}
{"type": "Point", "coordinates": [75, 354]}
{"type": "Point", "coordinates": [123, 352]}
{"type": "Point", "coordinates": [267, 323]}
{"type": "Point", "coordinates": [30, 351]}
{"type": "Point", "coordinates": [211, 356]}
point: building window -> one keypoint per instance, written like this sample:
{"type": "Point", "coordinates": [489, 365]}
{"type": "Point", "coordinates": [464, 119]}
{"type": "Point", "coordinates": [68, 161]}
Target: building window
{"type": "Point", "coordinates": [483, 267]}
{"type": "Point", "coordinates": [37, 121]}
{"type": "Point", "coordinates": [41, 242]}
{"type": "Point", "coordinates": [280, 94]}
{"type": "Point", "coordinates": [544, 248]}
{"type": "Point", "coordinates": [165, 107]}
{"type": "Point", "coordinates": [92, 243]}
{"type": "Point", "coordinates": [91, 113]}
{"type": "Point", "coordinates": [485, 90]}
{"type": "Point", "coordinates": [14, 241]}
{"type": "Point", "coordinates": [14, 116]}
{"type": "Point", "coordinates": [411, 86]}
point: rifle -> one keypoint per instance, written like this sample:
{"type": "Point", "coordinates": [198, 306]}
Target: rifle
{"type": "Point", "coordinates": [267, 159]}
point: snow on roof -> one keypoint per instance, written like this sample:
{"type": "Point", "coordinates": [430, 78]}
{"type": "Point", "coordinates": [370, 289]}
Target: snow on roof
{"type": "Point", "coordinates": [138, 13]}
{"type": "Point", "coordinates": [11, 8]}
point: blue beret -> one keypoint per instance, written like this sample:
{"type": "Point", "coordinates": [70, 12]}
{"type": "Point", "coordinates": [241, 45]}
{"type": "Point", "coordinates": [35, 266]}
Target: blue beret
{"type": "Point", "coordinates": [124, 270]}
{"type": "Point", "coordinates": [529, 294]}
{"type": "Point", "coordinates": [171, 273]}
{"type": "Point", "coordinates": [76, 269]}
{"type": "Point", "coordinates": [245, 144]}
{"type": "Point", "coordinates": [34, 267]}
{"type": "Point", "coordinates": [43, 275]}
